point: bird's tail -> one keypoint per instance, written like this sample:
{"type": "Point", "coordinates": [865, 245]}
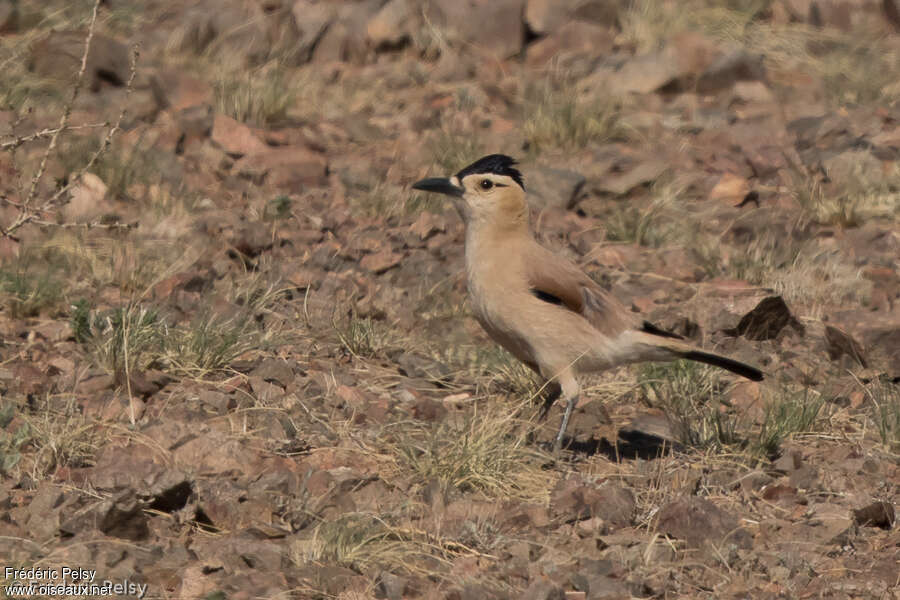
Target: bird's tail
{"type": "Point", "coordinates": [674, 348]}
{"type": "Point", "coordinates": [729, 364]}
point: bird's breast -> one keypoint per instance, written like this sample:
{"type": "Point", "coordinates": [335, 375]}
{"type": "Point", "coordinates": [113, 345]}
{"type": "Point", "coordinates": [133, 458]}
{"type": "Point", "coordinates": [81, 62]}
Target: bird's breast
{"type": "Point", "coordinates": [496, 295]}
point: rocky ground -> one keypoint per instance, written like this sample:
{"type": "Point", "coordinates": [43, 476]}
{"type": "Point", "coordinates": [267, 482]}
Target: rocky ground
{"type": "Point", "coordinates": [236, 356]}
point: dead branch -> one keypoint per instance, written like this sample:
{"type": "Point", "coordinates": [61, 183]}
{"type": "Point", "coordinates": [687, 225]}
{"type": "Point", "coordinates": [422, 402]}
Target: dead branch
{"type": "Point", "coordinates": [67, 110]}
{"type": "Point", "coordinates": [19, 141]}
{"type": "Point", "coordinates": [28, 213]}
{"type": "Point", "coordinates": [90, 225]}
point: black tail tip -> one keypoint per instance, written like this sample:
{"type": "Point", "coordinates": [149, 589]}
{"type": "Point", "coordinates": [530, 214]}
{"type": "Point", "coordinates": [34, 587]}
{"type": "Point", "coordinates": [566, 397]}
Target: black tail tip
{"type": "Point", "coordinates": [738, 368]}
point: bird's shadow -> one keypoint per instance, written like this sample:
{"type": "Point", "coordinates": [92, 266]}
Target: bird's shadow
{"type": "Point", "coordinates": [629, 445]}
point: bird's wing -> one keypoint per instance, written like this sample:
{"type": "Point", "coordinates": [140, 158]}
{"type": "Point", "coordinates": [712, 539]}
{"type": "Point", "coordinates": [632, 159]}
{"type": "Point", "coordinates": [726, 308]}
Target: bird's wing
{"type": "Point", "coordinates": [554, 279]}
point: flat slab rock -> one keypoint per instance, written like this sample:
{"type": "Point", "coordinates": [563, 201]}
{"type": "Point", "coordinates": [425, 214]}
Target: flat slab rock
{"type": "Point", "coordinates": [699, 521]}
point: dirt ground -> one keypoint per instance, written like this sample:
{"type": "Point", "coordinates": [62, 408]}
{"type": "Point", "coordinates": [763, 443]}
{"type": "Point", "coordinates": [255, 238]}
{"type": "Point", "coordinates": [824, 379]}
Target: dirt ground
{"type": "Point", "coordinates": [236, 355]}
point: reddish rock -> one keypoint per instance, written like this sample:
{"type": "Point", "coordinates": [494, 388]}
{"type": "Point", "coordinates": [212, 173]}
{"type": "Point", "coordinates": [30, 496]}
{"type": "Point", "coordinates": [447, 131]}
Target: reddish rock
{"type": "Point", "coordinates": [544, 590]}
{"type": "Point", "coordinates": [573, 38]}
{"type": "Point", "coordinates": [381, 261]}
{"type": "Point", "coordinates": [235, 138]}
{"type": "Point", "coordinates": [59, 55]}
{"type": "Point", "coordinates": [289, 168]}
{"type": "Point", "coordinates": [698, 521]}
{"type": "Point", "coordinates": [388, 27]}
{"type": "Point", "coordinates": [730, 189]}
{"type": "Point", "coordinates": [574, 500]}
{"type": "Point", "coordinates": [493, 27]}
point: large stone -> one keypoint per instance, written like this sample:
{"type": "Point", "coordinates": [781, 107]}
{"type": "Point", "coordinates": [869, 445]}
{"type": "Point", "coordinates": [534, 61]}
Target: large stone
{"type": "Point", "coordinates": [698, 521]}
{"type": "Point", "coordinates": [235, 138]}
{"type": "Point", "coordinates": [854, 168]}
{"type": "Point", "coordinates": [646, 73]}
{"type": "Point", "coordinates": [544, 589]}
{"type": "Point", "coordinates": [548, 187]}
{"type": "Point", "coordinates": [289, 168]}
{"type": "Point", "coordinates": [345, 37]}
{"type": "Point", "coordinates": [729, 69]}
{"type": "Point", "coordinates": [878, 514]}
{"type": "Point", "coordinates": [544, 17]}
{"type": "Point", "coordinates": [58, 56]}
{"type": "Point", "coordinates": [642, 173]}
{"type": "Point", "coordinates": [178, 91]}
{"type": "Point", "coordinates": [767, 320]}
{"type": "Point", "coordinates": [494, 27]}
{"type": "Point", "coordinates": [388, 28]}
{"type": "Point", "coordinates": [238, 29]}
{"type": "Point", "coordinates": [674, 67]}
{"type": "Point", "coordinates": [574, 499]}
{"type": "Point", "coordinates": [312, 20]}
{"type": "Point", "coordinates": [572, 39]}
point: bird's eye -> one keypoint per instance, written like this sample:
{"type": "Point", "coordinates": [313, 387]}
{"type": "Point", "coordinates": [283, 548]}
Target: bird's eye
{"type": "Point", "coordinates": [486, 184]}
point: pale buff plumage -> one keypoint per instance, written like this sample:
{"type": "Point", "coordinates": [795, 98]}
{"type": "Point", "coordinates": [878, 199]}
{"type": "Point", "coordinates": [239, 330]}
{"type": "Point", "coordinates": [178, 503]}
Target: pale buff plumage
{"type": "Point", "coordinates": [537, 304]}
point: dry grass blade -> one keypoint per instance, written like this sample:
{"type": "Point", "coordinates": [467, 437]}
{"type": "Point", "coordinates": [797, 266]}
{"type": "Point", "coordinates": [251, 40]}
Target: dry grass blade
{"type": "Point", "coordinates": [366, 541]}
{"type": "Point", "coordinates": [489, 452]}
{"type": "Point", "coordinates": [61, 436]}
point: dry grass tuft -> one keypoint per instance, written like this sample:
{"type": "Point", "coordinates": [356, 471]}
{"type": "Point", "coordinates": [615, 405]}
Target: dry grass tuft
{"type": "Point", "coordinates": [452, 149]}
{"type": "Point", "coordinates": [860, 193]}
{"type": "Point", "coordinates": [884, 397]}
{"type": "Point", "coordinates": [60, 435]}
{"type": "Point", "coordinates": [649, 226]}
{"type": "Point", "coordinates": [136, 337]}
{"type": "Point", "coordinates": [124, 340]}
{"type": "Point", "coordinates": [208, 344]}
{"type": "Point", "coordinates": [788, 411]}
{"type": "Point", "coordinates": [259, 97]}
{"type": "Point", "coordinates": [689, 393]}
{"type": "Point", "coordinates": [557, 117]}
{"type": "Point", "coordinates": [366, 542]}
{"type": "Point", "coordinates": [29, 287]}
{"type": "Point", "coordinates": [364, 337]}
{"type": "Point", "coordinates": [488, 452]}
{"type": "Point", "coordinates": [131, 263]}
{"type": "Point", "coordinates": [11, 442]}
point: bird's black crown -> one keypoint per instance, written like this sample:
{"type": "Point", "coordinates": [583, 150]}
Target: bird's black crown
{"type": "Point", "coordinates": [499, 164]}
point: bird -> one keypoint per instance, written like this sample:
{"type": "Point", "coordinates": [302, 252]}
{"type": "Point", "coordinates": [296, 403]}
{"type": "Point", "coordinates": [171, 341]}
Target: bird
{"type": "Point", "coordinates": [540, 306]}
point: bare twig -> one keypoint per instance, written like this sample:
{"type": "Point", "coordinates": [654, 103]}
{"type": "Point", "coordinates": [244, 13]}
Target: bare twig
{"type": "Point", "coordinates": [107, 141]}
{"type": "Point", "coordinates": [18, 141]}
{"type": "Point", "coordinates": [29, 213]}
{"type": "Point", "coordinates": [90, 225]}
{"type": "Point", "coordinates": [67, 110]}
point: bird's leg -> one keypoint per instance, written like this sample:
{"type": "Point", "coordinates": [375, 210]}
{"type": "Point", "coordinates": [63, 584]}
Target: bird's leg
{"type": "Point", "coordinates": [570, 390]}
{"type": "Point", "coordinates": [570, 407]}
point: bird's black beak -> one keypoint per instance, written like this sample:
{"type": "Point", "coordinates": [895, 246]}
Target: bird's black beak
{"type": "Point", "coordinates": [440, 185]}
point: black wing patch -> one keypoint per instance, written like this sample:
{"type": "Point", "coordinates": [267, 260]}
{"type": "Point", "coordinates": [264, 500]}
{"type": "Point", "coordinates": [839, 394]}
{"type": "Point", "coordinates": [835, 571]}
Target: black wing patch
{"type": "Point", "coordinates": [649, 327]}
{"type": "Point", "coordinates": [549, 298]}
